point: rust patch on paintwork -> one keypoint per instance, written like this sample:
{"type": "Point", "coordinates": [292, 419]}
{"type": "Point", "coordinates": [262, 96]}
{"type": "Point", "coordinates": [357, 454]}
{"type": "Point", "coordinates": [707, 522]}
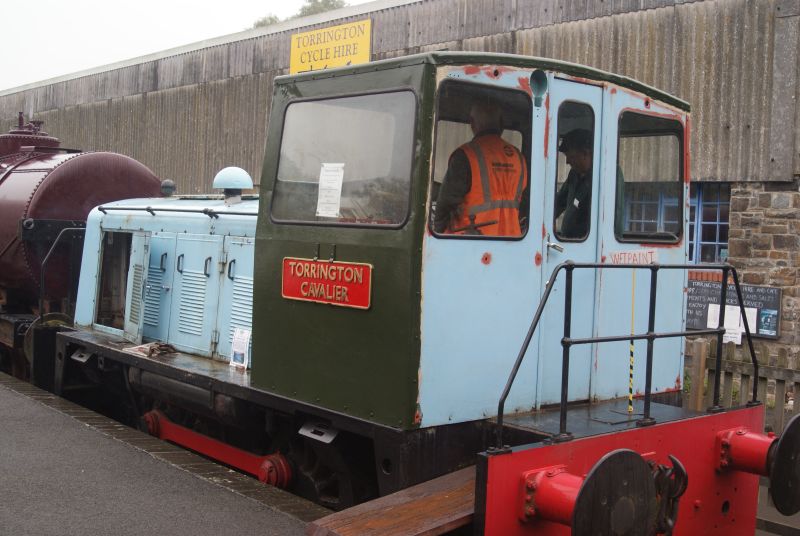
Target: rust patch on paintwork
{"type": "Point", "coordinates": [525, 85]}
{"type": "Point", "coordinates": [661, 245]}
{"type": "Point", "coordinates": [544, 231]}
{"type": "Point", "coordinates": [472, 69]}
{"type": "Point", "coordinates": [603, 259]}
{"type": "Point", "coordinates": [494, 71]}
{"type": "Point", "coordinates": [486, 258]}
{"type": "Point", "coordinates": [687, 136]}
{"type": "Point", "coordinates": [582, 80]}
{"type": "Point", "coordinates": [613, 90]}
{"type": "Point", "coordinates": [538, 259]}
{"type": "Point", "coordinates": [546, 123]}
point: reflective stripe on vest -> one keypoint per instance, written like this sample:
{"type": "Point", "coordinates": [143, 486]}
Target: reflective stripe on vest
{"type": "Point", "coordinates": [491, 206]}
{"type": "Point", "coordinates": [488, 202]}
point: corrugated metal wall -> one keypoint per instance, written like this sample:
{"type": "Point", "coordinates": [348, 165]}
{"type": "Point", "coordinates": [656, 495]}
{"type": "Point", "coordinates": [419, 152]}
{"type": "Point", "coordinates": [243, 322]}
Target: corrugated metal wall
{"type": "Point", "coordinates": [188, 115]}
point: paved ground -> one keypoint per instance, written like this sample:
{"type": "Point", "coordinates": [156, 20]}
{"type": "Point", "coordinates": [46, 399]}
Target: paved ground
{"type": "Point", "coordinates": [67, 471]}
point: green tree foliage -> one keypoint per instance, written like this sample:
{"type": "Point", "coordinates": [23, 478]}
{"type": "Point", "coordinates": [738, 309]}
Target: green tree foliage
{"type": "Point", "coordinates": [312, 7]}
{"type": "Point", "coordinates": [266, 21]}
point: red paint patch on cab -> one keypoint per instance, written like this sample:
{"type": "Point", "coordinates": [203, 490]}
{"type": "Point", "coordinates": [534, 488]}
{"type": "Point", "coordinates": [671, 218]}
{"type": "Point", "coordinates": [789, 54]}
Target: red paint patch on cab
{"type": "Point", "coordinates": [538, 259]}
{"type": "Point", "coordinates": [544, 231]}
{"type": "Point", "coordinates": [494, 71]}
{"type": "Point", "coordinates": [547, 123]}
{"type": "Point", "coordinates": [525, 85]}
{"type": "Point", "coordinates": [487, 258]}
{"type": "Point", "coordinates": [472, 69]}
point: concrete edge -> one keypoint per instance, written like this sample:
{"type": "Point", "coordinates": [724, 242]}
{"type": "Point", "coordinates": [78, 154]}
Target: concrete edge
{"type": "Point", "coordinates": [276, 499]}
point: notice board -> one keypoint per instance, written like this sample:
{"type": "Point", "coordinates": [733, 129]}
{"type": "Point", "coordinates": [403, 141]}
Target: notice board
{"type": "Point", "coordinates": [762, 304]}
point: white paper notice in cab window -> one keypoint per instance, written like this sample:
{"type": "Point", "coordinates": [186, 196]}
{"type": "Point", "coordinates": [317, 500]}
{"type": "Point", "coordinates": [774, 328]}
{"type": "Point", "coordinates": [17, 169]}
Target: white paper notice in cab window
{"type": "Point", "coordinates": [329, 200]}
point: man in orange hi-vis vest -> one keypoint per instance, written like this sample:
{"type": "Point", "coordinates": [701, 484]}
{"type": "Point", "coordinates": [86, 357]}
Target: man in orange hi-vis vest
{"type": "Point", "coordinates": [482, 191]}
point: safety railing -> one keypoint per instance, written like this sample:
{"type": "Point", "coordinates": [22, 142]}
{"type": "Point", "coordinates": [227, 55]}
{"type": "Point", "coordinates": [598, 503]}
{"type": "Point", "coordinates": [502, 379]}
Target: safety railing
{"type": "Point", "coordinates": [650, 336]}
{"type": "Point", "coordinates": [152, 211]}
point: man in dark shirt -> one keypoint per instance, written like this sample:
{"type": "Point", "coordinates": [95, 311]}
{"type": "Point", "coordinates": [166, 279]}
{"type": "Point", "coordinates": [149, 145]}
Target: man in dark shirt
{"type": "Point", "coordinates": [459, 195]}
{"type": "Point", "coordinates": [574, 198]}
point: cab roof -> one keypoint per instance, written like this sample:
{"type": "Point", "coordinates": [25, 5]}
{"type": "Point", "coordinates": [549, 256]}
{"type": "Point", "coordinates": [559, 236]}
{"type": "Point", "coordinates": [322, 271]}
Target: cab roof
{"type": "Point", "coordinates": [490, 58]}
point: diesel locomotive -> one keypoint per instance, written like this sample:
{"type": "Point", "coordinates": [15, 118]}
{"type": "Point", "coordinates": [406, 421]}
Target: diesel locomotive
{"type": "Point", "coordinates": [330, 338]}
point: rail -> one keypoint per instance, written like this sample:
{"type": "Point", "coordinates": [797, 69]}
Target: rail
{"type": "Point", "coordinates": [567, 342]}
{"type": "Point", "coordinates": [152, 211]}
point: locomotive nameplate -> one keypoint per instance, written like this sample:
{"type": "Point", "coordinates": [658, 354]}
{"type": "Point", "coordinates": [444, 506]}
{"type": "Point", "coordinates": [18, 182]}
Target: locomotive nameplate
{"type": "Point", "coordinates": [346, 284]}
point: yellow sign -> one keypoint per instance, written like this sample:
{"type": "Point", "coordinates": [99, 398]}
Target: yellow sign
{"type": "Point", "coordinates": [336, 46]}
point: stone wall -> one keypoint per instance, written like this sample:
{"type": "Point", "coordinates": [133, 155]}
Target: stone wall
{"type": "Point", "coordinates": [764, 246]}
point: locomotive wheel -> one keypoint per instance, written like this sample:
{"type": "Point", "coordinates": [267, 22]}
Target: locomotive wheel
{"type": "Point", "coordinates": [334, 475]}
{"type": "Point", "coordinates": [617, 497]}
{"type": "Point", "coordinates": [784, 478]}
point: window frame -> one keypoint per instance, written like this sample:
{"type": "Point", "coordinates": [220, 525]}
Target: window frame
{"type": "Point", "coordinates": [681, 136]}
{"type": "Point", "coordinates": [696, 201]}
{"type": "Point", "coordinates": [526, 143]}
{"type": "Point", "coordinates": [595, 169]}
{"type": "Point", "coordinates": [413, 168]}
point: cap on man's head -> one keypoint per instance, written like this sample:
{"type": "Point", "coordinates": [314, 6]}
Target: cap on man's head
{"type": "Point", "coordinates": [579, 138]}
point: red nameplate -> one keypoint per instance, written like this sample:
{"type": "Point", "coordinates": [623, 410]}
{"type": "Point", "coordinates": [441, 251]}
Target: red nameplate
{"type": "Point", "coordinates": [347, 284]}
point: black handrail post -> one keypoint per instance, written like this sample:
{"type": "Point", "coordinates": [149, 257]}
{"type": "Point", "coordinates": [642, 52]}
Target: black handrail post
{"type": "Point", "coordinates": [63, 231]}
{"type": "Point", "coordinates": [647, 420]}
{"type": "Point", "coordinates": [536, 317]}
{"type": "Point", "coordinates": [753, 359]}
{"type": "Point", "coordinates": [715, 408]}
{"type": "Point", "coordinates": [563, 435]}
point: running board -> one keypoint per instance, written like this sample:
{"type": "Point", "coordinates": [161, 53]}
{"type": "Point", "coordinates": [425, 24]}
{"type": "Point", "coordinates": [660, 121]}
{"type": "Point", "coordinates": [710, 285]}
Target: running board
{"type": "Point", "coordinates": [433, 507]}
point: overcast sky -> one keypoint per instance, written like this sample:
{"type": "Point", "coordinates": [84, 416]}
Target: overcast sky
{"type": "Point", "coordinates": [49, 38]}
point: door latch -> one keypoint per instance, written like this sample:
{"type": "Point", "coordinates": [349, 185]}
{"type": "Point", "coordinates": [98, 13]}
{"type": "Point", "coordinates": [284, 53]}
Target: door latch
{"type": "Point", "coordinates": [553, 245]}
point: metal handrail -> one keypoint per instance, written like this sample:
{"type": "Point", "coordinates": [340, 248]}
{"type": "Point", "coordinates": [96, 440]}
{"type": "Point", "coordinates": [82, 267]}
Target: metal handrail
{"type": "Point", "coordinates": [42, 270]}
{"type": "Point", "coordinates": [650, 336]}
{"type": "Point", "coordinates": [207, 211]}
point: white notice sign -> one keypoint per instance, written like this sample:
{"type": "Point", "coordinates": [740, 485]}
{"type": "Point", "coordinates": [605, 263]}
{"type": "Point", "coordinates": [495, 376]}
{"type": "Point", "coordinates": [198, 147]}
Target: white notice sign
{"type": "Point", "coordinates": [329, 199]}
{"type": "Point", "coordinates": [240, 347]}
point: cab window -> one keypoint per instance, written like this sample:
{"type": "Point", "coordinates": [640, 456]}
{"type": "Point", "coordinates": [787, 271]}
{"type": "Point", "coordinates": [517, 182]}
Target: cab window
{"type": "Point", "coordinates": [346, 160]}
{"type": "Point", "coordinates": [649, 179]}
{"type": "Point", "coordinates": [481, 165]}
{"type": "Point", "coordinates": [572, 213]}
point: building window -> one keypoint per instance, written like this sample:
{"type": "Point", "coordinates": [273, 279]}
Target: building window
{"type": "Point", "coordinates": [649, 212]}
{"type": "Point", "coordinates": [708, 222]}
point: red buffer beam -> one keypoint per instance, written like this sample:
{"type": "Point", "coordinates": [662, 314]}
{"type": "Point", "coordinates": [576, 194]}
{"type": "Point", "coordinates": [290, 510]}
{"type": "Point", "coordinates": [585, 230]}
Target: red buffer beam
{"type": "Point", "coordinates": [614, 480]}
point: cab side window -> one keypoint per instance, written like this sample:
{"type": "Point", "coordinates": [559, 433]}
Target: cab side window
{"type": "Point", "coordinates": [573, 200]}
{"type": "Point", "coordinates": [649, 179]}
{"type": "Point", "coordinates": [481, 183]}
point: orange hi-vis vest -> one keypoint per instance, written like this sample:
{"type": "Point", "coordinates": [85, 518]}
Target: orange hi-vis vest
{"type": "Point", "coordinates": [499, 175]}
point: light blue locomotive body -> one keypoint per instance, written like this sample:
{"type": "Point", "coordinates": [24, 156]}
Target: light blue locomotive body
{"type": "Point", "coordinates": [185, 265]}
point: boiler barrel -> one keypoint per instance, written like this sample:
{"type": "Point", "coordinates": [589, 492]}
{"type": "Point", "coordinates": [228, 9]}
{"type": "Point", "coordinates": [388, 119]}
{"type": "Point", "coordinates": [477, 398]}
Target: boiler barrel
{"type": "Point", "coordinates": [57, 185]}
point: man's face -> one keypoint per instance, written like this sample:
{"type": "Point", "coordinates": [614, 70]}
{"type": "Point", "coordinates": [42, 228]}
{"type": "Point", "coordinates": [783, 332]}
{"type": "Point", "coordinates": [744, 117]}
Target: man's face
{"type": "Point", "coordinates": [579, 159]}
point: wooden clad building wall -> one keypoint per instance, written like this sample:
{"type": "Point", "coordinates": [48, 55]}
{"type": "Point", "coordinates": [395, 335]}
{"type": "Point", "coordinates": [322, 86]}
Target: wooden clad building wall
{"type": "Point", "coordinates": [187, 115]}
